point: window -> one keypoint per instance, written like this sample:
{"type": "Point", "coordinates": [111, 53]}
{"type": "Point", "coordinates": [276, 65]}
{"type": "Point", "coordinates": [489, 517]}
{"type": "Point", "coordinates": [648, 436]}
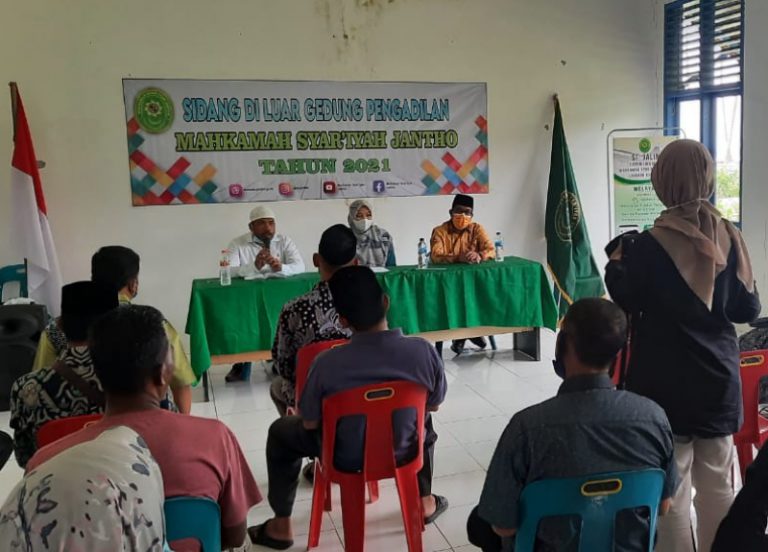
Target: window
{"type": "Point", "coordinates": [703, 44]}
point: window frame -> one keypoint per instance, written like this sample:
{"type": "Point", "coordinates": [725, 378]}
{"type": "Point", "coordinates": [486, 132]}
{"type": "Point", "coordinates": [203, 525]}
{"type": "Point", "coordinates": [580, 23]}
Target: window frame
{"type": "Point", "coordinates": [708, 95]}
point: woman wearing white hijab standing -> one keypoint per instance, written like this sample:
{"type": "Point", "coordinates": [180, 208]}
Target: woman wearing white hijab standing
{"type": "Point", "coordinates": [684, 284]}
{"type": "Point", "coordinates": [374, 244]}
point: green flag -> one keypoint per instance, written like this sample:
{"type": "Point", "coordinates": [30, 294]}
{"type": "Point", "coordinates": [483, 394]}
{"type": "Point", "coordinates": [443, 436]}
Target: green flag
{"type": "Point", "coordinates": [569, 255]}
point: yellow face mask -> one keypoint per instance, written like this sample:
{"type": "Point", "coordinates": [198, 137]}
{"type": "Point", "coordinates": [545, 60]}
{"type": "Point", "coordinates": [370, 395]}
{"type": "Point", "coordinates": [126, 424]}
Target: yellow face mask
{"type": "Point", "coordinates": [460, 221]}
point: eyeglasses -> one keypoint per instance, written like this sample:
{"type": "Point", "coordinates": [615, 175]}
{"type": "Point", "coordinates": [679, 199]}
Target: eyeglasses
{"type": "Point", "coordinates": [462, 211]}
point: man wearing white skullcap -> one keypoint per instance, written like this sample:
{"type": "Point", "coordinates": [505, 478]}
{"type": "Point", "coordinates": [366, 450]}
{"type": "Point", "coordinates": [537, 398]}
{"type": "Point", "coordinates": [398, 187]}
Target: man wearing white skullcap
{"type": "Point", "coordinates": [262, 250]}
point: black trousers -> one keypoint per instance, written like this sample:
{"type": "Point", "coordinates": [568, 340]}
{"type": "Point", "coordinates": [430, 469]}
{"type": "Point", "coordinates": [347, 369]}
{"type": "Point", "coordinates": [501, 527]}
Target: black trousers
{"type": "Point", "coordinates": [288, 443]}
{"type": "Point", "coordinates": [276, 394]}
{"type": "Point", "coordinates": [481, 534]}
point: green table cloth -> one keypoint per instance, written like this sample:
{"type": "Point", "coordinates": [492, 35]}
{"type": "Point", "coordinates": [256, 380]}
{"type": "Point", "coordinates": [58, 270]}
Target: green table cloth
{"type": "Point", "coordinates": [243, 317]}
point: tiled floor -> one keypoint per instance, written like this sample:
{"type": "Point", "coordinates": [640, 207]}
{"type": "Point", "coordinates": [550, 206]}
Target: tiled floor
{"type": "Point", "coordinates": [484, 390]}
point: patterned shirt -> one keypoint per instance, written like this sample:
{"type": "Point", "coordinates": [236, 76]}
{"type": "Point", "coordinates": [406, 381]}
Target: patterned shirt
{"type": "Point", "coordinates": [304, 320]}
{"type": "Point", "coordinates": [53, 342]}
{"type": "Point", "coordinates": [755, 339]}
{"type": "Point", "coordinates": [57, 337]}
{"type": "Point", "coordinates": [101, 496]}
{"type": "Point", "coordinates": [41, 396]}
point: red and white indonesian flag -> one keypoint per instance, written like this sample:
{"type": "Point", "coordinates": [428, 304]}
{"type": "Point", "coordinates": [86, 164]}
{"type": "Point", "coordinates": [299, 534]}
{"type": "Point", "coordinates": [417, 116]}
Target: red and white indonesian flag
{"type": "Point", "coordinates": [30, 231]}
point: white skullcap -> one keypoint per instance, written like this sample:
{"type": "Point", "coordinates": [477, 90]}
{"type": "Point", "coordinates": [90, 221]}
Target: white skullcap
{"type": "Point", "coordinates": [261, 212]}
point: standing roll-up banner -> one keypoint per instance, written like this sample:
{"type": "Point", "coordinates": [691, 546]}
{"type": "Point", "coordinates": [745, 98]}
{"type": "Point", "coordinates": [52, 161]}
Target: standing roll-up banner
{"type": "Point", "coordinates": [634, 204]}
{"type": "Point", "coordinates": [235, 141]}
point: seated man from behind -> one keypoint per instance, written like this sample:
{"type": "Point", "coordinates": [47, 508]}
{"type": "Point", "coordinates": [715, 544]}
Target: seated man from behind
{"type": "Point", "coordinates": [118, 267]}
{"type": "Point", "coordinates": [69, 387]}
{"type": "Point", "coordinates": [460, 240]}
{"type": "Point", "coordinates": [374, 354]}
{"type": "Point", "coordinates": [312, 316]}
{"type": "Point", "coordinates": [133, 361]}
{"type": "Point", "coordinates": [588, 428]}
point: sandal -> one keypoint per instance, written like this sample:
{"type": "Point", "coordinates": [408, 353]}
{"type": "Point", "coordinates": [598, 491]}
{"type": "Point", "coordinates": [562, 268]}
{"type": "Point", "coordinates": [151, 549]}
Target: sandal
{"type": "Point", "coordinates": [441, 505]}
{"type": "Point", "coordinates": [258, 535]}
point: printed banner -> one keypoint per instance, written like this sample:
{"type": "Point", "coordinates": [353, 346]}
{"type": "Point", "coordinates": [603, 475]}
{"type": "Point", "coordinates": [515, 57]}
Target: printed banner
{"type": "Point", "coordinates": [635, 205]}
{"type": "Point", "coordinates": [217, 141]}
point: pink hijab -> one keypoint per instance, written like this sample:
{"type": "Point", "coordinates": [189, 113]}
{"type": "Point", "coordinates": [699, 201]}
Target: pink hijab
{"type": "Point", "coordinates": [691, 230]}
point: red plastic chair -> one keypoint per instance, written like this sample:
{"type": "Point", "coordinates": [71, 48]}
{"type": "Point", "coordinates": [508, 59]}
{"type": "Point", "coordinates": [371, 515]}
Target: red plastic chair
{"type": "Point", "coordinates": [616, 377]}
{"type": "Point", "coordinates": [621, 364]}
{"type": "Point", "coordinates": [377, 403]}
{"type": "Point", "coordinates": [304, 359]}
{"type": "Point", "coordinates": [56, 429]}
{"type": "Point", "coordinates": [754, 432]}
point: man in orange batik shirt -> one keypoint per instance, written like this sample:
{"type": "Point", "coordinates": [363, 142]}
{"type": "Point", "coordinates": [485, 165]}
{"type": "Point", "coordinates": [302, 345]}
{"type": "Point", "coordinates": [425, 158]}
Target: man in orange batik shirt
{"type": "Point", "coordinates": [460, 240]}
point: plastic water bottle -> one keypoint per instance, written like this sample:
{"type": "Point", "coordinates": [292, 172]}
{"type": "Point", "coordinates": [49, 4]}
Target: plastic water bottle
{"type": "Point", "coordinates": [422, 253]}
{"type": "Point", "coordinates": [499, 246]}
{"type": "Point", "coordinates": [225, 277]}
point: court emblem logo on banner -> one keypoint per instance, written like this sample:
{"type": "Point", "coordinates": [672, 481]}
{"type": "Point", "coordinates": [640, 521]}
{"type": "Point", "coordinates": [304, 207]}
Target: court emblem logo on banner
{"type": "Point", "coordinates": [153, 110]}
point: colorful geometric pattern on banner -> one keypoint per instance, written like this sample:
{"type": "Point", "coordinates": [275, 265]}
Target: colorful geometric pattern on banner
{"type": "Point", "coordinates": [453, 177]}
{"type": "Point", "coordinates": [152, 185]}
{"type": "Point", "coordinates": [211, 141]}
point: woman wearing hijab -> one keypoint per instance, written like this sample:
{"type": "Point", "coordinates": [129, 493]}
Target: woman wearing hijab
{"type": "Point", "coordinates": [374, 244]}
{"type": "Point", "coordinates": [684, 283]}
{"type": "Point", "coordinates": [102, 495]}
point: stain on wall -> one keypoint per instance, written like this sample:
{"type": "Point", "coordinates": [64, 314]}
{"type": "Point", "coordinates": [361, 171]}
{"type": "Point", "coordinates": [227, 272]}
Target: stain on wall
{"type": "Point", "coordinates": [349, 24]}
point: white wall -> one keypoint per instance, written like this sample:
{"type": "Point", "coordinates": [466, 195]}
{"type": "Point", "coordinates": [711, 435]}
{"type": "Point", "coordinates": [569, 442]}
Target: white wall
{"type": "Point", "coordinates": [602, 56]}
{"type": "Point", "coordinates": [755, 140]}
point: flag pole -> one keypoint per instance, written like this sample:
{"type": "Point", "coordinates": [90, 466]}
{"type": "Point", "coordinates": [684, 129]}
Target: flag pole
{"type": "Point", "coordinates": [14, 104]}
{"type": "Point", "coordinates": [14, 115]}
{"type": "Point", "coordinates": [14, 110]}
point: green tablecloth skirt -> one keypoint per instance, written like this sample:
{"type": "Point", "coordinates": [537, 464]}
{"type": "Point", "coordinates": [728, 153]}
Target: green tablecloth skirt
{"type": "Point", "coordinates": [242, 317]}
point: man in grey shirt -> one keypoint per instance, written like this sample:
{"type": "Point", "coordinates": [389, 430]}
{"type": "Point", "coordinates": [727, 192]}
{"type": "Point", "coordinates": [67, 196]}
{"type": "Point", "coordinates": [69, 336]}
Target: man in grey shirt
{"type": "Point", "coordinates": [374, 354]}
{"type": "Point", "coordinates": [588, 428]}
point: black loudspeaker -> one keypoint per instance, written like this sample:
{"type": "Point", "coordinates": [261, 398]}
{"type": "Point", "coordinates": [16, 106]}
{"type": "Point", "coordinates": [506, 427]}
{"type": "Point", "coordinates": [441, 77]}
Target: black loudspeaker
{"type": "Point", "coordinates": [20, 329]}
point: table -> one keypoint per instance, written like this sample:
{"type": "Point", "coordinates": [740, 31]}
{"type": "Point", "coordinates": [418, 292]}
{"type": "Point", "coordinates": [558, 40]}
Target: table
{"type": "Point", "coordinates": [238, 322]}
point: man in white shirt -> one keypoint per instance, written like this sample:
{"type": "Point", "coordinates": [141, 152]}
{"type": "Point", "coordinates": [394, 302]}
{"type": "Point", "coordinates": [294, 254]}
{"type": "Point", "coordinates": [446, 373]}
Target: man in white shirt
{"type": "Point", "coordinates": [260, 252]}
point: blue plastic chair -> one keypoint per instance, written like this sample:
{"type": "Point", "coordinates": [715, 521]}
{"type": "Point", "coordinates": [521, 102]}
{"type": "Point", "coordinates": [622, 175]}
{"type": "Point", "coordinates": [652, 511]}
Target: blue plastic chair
{"type": "Point", "coordinates": [191, 517]}
{"type": "Point", "coordinates": [14, 273]}
{"type": "Point", "coordinates": [596, 499]}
